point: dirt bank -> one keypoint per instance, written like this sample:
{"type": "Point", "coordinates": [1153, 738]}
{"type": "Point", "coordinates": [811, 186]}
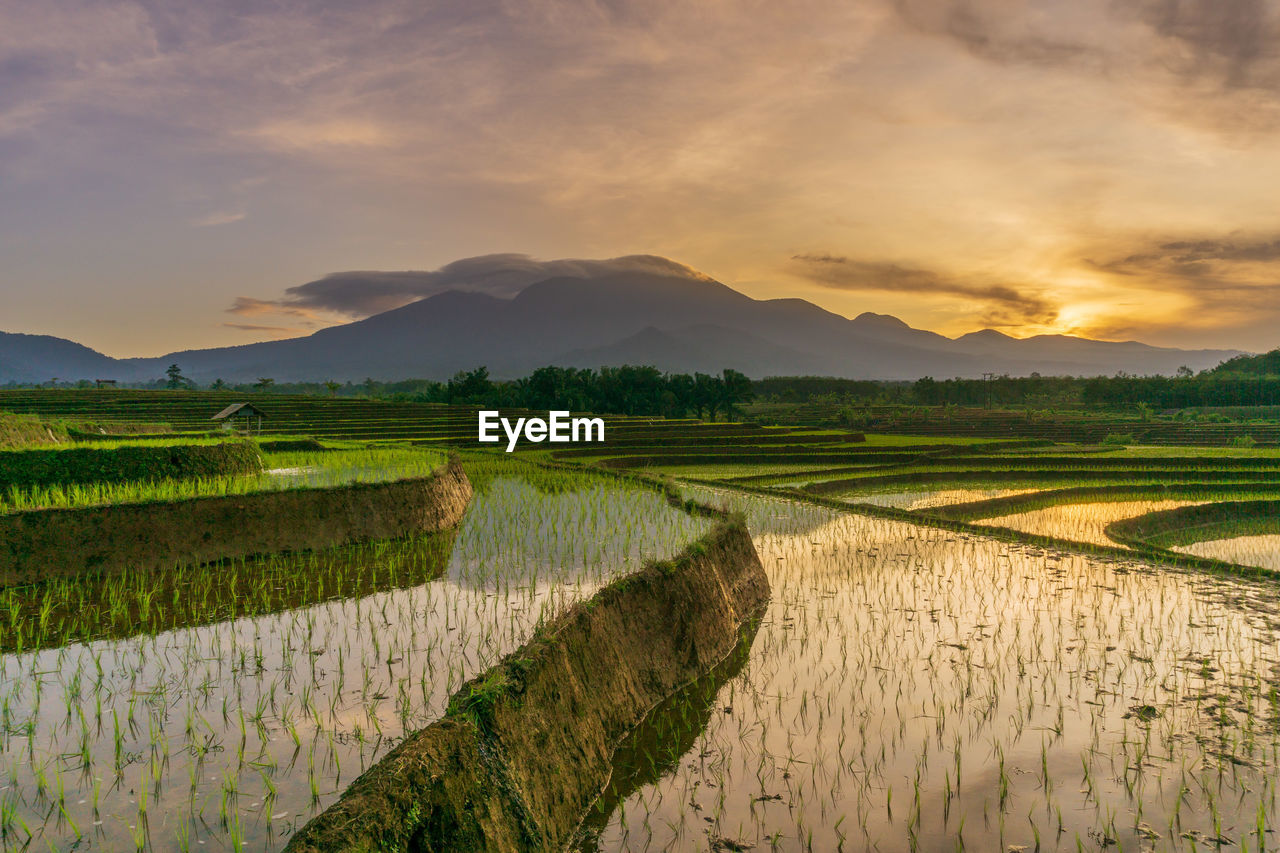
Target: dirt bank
{"type": "Point", "coordinates": [526, 748]}
{"type": "Point", "coordinates": [44, 544]}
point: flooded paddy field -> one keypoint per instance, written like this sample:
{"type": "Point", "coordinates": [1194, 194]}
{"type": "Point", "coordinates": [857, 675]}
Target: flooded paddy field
{"type": "Point", "coordinates": [222, 709]}
{"type": "Point", "coordinates": [1261, 551]}
{"type": "Point", "coordinates": [1079, 522]}
{"type": "Point", "coordinates": [929, 498]}
{"type": "Point", "coordinates": [916, 689]}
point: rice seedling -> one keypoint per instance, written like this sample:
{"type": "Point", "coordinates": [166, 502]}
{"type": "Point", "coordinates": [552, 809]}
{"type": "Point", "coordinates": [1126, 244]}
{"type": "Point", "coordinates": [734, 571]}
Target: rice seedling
{"type": "Point", "coordinates": [1097, 697]}
{"type": "Point", "coordinates": [1262, 551]}
{"type": "Point", "coordinates": [211, 683]}
{"type": "Point", "coordinates": [909, 688]}
{"type": "Point", "coordinates": [1079, 522]}
{"type": "Point", "coordinates": [285, 471]}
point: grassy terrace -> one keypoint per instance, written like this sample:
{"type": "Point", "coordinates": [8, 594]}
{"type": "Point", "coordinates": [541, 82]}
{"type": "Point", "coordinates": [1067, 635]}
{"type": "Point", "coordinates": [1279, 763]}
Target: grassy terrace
{"type": "Point", "coordinates": [1064, 426]}
{"type": "Point", "coordinates": [939, 463]}
{"type": "Point", "coordinates": [1033, 488]}
{"type": "Point", "coordinates": [285, 470]}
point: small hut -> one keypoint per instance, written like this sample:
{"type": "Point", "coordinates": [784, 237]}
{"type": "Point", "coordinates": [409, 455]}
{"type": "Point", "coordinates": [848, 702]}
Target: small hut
{"type": "Point", "coordinates": [245, 413]}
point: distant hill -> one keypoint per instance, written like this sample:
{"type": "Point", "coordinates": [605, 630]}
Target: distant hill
{"type": "Point", "coordinates": [636, 317]}
{"type": "Point", "coordinates": [40, 358]}
{"type": "Point", "coordinates": [1266, 364]}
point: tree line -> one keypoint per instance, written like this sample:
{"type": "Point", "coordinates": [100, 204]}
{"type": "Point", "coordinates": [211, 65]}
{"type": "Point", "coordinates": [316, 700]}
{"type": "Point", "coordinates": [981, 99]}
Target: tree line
{"type": "Point", "coordinates": [623, 390]}
{"type": "Point", "coordinates": [643, 390]}
{"type": "Point", "coordinates": [1102, 392]}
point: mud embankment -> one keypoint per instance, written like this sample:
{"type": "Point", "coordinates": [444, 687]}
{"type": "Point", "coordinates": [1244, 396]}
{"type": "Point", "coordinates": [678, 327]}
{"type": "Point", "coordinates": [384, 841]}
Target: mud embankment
{"type": "Point", "coordinates": [525, 749]}
{"type": "Point", "coordinates": [58, 543]}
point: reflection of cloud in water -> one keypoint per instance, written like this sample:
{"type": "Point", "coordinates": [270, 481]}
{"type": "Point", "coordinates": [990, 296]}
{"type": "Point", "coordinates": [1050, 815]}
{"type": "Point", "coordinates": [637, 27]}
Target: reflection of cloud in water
{"type": "Point", "coordinates": [347, 677]}
{"type": "Point", "coordinates": [894, 659]}
{"type": "Point", "coordinates": [514, 534]}
{"type": "Point", "coordinates": [1261, 551]}
{"type": "Point", "coordinates": [1080, 522]}
{"type": "Point", "coordinates": [764, 514]}
{"type": "Point", "coordinates": [925, 499]}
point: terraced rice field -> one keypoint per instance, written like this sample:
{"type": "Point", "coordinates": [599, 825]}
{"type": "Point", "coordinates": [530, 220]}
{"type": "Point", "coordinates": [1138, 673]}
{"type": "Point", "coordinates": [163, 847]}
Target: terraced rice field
{"type": "Point", "coordinates": [174, 715]}
{"type": "Point", "coordinates": [916, 689]}
{"type": "Point", "coordinates": [957, 655]}
{"type": "Point", "coordinates": [284, 471]}
{"type": "Point", "coordinates": [1262, 551]}
{"type": "Point", "coordinates": [1064, 492]}
{"type": "Point", "coordinates": [1082, 522]}
{"type": "Point", "coordinates": [929, 498]}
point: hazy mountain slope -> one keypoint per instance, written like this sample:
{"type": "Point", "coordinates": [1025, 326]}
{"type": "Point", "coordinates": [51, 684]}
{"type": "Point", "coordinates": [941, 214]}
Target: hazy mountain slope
{"type": "Point", "coordinates": [39, 358]}
{"type": "Point", "coordinates": [676, 323]}
{"type": "Point", "coordinates": [702, 348]}
{"type": "Point", "coordinates": [1066, 354]}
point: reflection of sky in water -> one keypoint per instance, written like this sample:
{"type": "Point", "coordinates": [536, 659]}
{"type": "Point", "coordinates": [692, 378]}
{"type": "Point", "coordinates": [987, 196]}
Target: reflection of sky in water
{"type": "Point", "coordinates": [897, 667]}
{"type": "Point", "coordinates": [1082, 522]}
{"type": "Point", "coordinates": [1262, 551]}
{"type": "Point", "coordinates": [923, 499]}
{"type": "Point", "coordinates": [317, 691]}
{"type": "Point", "coordinates": [512, 533]}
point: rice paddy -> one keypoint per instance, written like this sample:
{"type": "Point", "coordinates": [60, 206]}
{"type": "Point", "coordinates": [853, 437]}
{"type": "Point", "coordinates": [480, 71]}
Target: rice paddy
{"type": "Point", "coordinates": [1262, 551]}
{"type": "Point", "coordinates": [914, 689]}
{"type": "Point", "coordinates": [284, 471]}
{"type": "Point", "coordinates": [234, 722]}
{"type": "Point", "coordinates": [924, 678]}
{"type": "Point", "coordinates": [929, 498]}
{"type": "Point", "coordinates": [1079, 522]}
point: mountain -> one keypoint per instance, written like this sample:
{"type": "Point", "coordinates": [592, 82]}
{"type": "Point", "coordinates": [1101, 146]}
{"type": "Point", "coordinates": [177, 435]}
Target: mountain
{"type": "Point", "coordinates": [39, 358]}
{"type": "Point", "coordinates": [703, 348]}
{"type": "Point", "coordinates": [674, 322]}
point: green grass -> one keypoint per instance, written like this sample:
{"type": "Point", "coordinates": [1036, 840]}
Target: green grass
{"type": "Point", "coordinates": [28, 431]}
{"type": "Point", "coordinates": [1139, 451]}
{"type": "Point", "coordinates": [898, 440]}
{"type": "Point", "coordinates": [316, 470]}
{"type": "Point", "coordinates": [730, 470]}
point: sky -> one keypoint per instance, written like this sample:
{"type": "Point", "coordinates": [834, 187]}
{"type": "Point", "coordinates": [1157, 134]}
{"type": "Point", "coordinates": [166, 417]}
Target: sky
{"type": "Point", "coordinates": [192, 173]}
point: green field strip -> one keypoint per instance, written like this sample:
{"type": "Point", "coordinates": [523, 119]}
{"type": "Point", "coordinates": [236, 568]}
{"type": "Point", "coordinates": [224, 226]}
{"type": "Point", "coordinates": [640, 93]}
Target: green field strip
{"type": "Point", "coordinates": [320, 469]}
{"type": "Point", "coordinates": [954, 479]}
{"type": "Point", "coordinates": [713, 458]}
{"type": "Point", "coordinates": [1136, 463]}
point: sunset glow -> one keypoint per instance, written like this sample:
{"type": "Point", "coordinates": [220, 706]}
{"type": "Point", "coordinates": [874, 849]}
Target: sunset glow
{"type": "Point", "coordinates": [1090, 168]}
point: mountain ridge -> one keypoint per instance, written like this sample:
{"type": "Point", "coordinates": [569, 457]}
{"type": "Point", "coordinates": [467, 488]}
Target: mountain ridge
{"type": "Point", "coordinates": [675, 322]}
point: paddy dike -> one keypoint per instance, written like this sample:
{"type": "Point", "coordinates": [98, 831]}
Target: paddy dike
{"type": "Point", "coordinates": [525, 749]}
{"type": "Point", "coordinates": [40, 545]}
